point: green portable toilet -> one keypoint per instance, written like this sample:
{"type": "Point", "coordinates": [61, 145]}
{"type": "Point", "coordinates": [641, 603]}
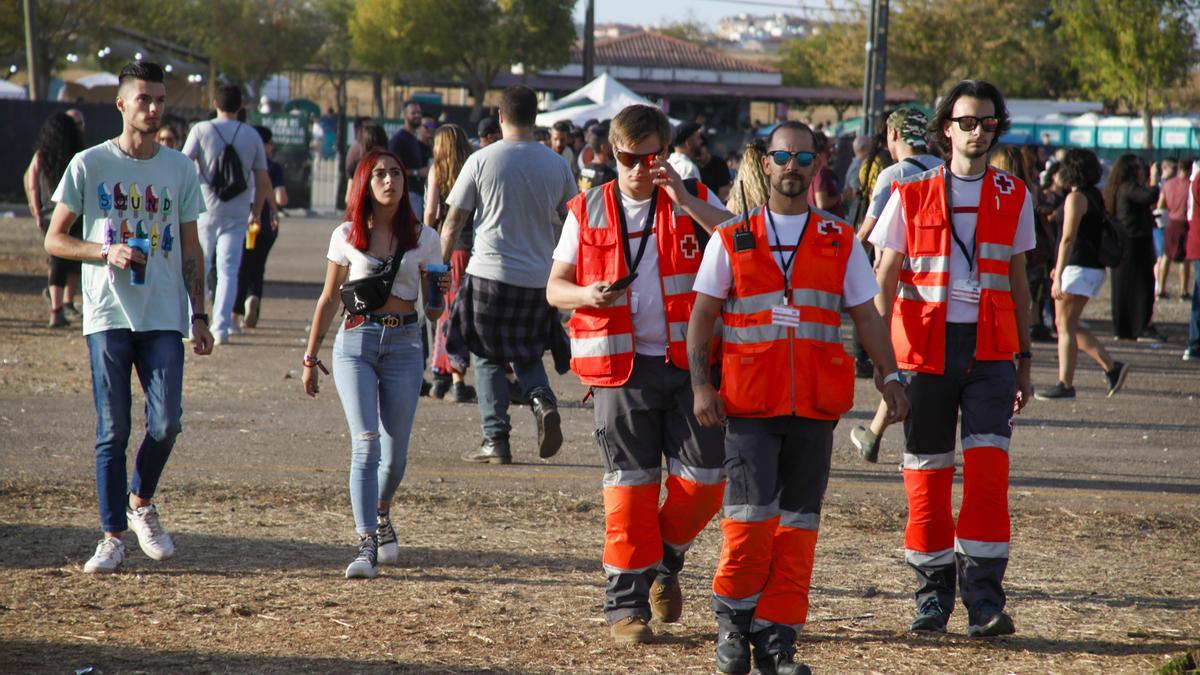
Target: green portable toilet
{"type": "Point", "coordinates": [1137, 130]}
{"type": "Point", "coordinates": [1113, 132]}
{"type": "Point", "coordinates": [1179, 133]}
{"type": "Point", "coordinates": [1050, 130]}
{"type": "Point", "coordinates": [1081, 131]}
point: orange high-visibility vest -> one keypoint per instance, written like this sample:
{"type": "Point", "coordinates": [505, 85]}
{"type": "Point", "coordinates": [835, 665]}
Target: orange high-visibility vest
{"type": "Point", "coordinates": [919, 312]}
{"type": "Point", "coordinates": [771, 370]}
{"type": "Point", "coordinates": [602, 338]}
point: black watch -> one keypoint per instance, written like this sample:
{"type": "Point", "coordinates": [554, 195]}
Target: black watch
{"type": "Point", "coordinates": [1024, 355]}
{"type": "Point", "coordinates": [200, 316]}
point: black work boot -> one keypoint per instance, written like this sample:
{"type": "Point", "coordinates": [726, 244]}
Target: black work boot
{"type": "Point", "coordinates": [991, 625]}
{"type": "Point", "coordinates": [931, 616]}
{"type": "Point", "coordinates": [491, 450]}
{"type": "Point", "coordinates": [779, 663]}
{"type": "Point", "coordinates": [549, 424]}
{"type": "Point", "coordinates": [936, 587]}
{"type": "Point", "coordinates": [733, 652]}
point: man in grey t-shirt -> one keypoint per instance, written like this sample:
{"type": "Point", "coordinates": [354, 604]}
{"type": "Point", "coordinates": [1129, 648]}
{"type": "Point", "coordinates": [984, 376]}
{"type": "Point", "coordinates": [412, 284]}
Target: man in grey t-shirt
{"type": "Point", "coordinates": [223, 225]}
{"type": "Point", "coordinates": [518, 190]}
{"type": "Point", "coordinates": [907, 145]}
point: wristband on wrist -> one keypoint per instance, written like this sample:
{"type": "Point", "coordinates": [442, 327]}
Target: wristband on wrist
{"type": "Point", "coordinates": [310, 361]}
{"type": "Point", "coordinates": [104, 252]}
{"type": "Point", "coordinates": [895, 376]}
{"type": "Point", "coordinates": [200, 316]}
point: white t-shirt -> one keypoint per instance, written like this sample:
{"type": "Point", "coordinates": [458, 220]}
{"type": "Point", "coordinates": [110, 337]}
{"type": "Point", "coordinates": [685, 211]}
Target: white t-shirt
{"type": "Point", "coordinates": [116, 195]}
{"type": "Point", "coordinates": [684, 166]}
{"type": "Point", "coordinates": [408, 277]}
{"type": "Point", "coordinates": [205, 144]}
{"type": "Point", "coordinates": [649, 315]}
{"type": "Point", "coordinates": [964, 193]}
{"type": "Point", "coordinates": [716, 272]}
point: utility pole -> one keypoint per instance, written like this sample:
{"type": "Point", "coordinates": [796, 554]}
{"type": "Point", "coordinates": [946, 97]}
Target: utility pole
{"type": "Point", "coordinates": [875, 76]}
{"type": "Point", "coordinates": [589, 42]}
{"type": "Point", "coordinates": [31, 49]}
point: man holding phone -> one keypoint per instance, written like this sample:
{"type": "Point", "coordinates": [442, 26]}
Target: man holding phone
{"type": "Point", "coordinates": [626, 261]}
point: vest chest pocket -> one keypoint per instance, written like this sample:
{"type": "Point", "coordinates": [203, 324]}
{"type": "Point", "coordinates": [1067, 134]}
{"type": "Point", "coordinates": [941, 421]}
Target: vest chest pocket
{"type": "Point", "coordinates": [598, 262]}
{"type": "Point", "coordinates": [929, 229]}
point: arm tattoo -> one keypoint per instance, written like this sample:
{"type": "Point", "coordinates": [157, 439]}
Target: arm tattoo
{"type": "Point", "coordinates": [194, 282]}
{"type": "Point", "coordinates": [698, 362]}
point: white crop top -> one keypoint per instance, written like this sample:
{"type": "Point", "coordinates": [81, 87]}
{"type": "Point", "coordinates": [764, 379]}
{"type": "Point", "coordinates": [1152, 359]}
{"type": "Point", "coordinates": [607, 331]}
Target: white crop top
{"type": "Point", "coordinates": [408, 278]}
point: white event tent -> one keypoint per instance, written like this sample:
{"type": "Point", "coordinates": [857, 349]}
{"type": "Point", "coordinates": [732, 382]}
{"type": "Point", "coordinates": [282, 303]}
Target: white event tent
{"type": "Point", "coordinates": [600, 99]}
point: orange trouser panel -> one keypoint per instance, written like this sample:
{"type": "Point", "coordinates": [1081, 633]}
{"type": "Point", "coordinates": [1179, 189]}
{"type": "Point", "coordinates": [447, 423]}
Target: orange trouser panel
{"type": "Point", "coordinates": [745, 561]}
{"type": "Point", "coordinates": [785, 599]}
{"type": "Point", "coordinates": [688, 508]}
{"type": "Point", "coordinates": [631, 538]}
{"type": "Point", "coordinates": [930, 520]}
{"type": "Point", "coordinates": [984, 513]}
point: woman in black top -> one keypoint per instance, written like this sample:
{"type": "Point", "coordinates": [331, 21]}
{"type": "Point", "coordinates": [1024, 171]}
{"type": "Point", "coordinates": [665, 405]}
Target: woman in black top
{"type": "Point", "coordinates": [1078, 275]}
{"type": "Point", "coordinates": [1130, 202]}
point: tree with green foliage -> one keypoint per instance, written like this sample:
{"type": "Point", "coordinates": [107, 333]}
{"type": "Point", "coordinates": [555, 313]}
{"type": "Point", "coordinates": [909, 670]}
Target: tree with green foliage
{"type": "Point", "coordinates": [832, 57]}
{"type": "Point", "coordinates": [1129, 51]}
{"type": "Point", "coordinates": [62, 27]}
{"type": "Point", "coordinates": [470, 40]}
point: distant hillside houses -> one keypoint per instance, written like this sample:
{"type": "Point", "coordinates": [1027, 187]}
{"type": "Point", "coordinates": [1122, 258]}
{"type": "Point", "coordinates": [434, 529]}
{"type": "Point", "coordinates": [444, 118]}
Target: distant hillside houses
{"type": "Point", "coordinates": [763, 34]}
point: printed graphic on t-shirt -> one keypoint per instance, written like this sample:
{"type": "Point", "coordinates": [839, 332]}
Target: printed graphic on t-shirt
{"type": "Point", "coordinates": [143, 214]}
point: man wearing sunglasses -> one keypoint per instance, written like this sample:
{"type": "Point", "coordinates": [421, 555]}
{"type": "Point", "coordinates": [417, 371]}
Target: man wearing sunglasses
{"type": "Point", "coordinates": [627, 344]}
{"type": "Point", "coordinates": [779, 278]}
{"type": "Point", "coordinates": [952, 268]}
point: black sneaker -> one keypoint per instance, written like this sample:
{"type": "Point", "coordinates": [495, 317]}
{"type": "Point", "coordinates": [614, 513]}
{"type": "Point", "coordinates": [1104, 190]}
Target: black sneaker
{"type": "Point", "coordinates": [425, 387]}
{"type": "Point", "coordinates": [1059, 390]}
{"type": "Point", "coordinates": [490, 451]}
{"type": "Point", "coordinates": [366, 563]}
{"type": "Point", "coordinates": [1116, 377]}
{"type": "Point", "coordinates": [461, 392]}
{"type": "Point", "coordinates": [931, 617]}
{"type": "Point", "coordinates": [733, 653]}
{"type": "Point", "coordinates": [1151, 334]}
{"type": "Point", "coordinates": [864, 369]}
{"type": "Point", "coordinates": [441, 385]}
{"type": "Point", "coordinates": [549, 424]}
{"type": "Point", "coordinates": [992, 626]}
{"type": "Point", "coordinates": [779, 663]}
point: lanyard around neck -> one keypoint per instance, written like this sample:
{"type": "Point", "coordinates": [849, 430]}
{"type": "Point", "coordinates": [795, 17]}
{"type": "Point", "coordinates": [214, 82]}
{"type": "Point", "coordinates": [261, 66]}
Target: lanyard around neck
{"type": "Point", "coordinates": [786, 265]}
{"type": "Point", "coordinates": [647, 229]}
{"type": "Point", "coordinates": [968, 252]}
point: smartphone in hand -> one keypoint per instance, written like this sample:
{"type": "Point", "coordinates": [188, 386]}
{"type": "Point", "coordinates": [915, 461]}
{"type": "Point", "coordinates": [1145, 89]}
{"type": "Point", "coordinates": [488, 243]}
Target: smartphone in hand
{"type": "Point", "coordinates": [621, 284]}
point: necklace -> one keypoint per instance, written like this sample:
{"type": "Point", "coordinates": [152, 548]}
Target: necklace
{"type": "Point", "coordinates": [130, 155]}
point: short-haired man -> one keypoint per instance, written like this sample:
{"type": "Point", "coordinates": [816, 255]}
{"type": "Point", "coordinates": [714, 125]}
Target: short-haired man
{"type": "Point", "coordinates": [562, 139]}
{"type": "Point", "coordinates": [518, 190]}
{"type": "Point", "coordinates": [779, 279]}
{"type": "Point", "coordinates": [405, 145]}
{"type": "Point", "coordinates": [488, 131]}
{"type": "Point", "coordinates": [685, 145]}
{"type": "Point", "coordinates": [906, 129]}
{"type": "Point", "coordinates": [629, 346]}
{"type": "Point", "coordinates": [600, 170]}
{"type": "Point", "coordinates": [824, 192]}
{"type": "Point", "coordinates": [952, 244]}
{"type": "Point", "coordinates": [223, 225]}
{"type": "Point", "coordinates": [139, 202]}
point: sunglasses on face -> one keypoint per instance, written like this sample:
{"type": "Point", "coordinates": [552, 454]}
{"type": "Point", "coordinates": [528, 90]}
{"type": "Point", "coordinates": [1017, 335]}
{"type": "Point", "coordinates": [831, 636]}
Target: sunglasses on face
{"type": "Point", "coordinates": [631, 160]}
{"type": "Point", "coordinates": [969, 122]}
{"type": "Point", "coordinates": [782, 157]}
{"type": "Point", "coordinates": [431, 126]}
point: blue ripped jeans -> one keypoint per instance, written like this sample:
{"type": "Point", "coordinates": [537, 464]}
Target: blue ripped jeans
{"type": "Point", "coordinates": [378, 375]}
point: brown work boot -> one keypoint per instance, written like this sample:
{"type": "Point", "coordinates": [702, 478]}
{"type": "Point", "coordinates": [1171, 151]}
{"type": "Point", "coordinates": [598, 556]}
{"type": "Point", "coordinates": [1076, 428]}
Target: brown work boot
{"type": "Point", "coordinates": [631, 630]}
{"type": "Point", "coordinates": [666, 599]}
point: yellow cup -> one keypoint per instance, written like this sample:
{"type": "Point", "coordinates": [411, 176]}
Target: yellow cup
{"type": "Point", "coordinates": [251, 236]}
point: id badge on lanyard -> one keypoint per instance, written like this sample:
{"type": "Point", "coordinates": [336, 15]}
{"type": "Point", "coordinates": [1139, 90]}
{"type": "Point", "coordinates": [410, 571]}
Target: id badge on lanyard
{"type": "Point", "coordinates": [965, 290]}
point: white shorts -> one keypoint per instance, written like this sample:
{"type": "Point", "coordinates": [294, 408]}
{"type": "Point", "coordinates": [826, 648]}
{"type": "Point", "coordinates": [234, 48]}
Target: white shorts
{"type": "Point", "coordinates": [1085, 281]}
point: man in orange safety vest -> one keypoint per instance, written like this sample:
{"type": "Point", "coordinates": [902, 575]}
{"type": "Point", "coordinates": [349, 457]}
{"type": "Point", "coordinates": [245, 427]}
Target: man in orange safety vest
{"type": "Point", "coordinates": [780, 278]}
{"type": "Point", "coordinates": [625, 264]}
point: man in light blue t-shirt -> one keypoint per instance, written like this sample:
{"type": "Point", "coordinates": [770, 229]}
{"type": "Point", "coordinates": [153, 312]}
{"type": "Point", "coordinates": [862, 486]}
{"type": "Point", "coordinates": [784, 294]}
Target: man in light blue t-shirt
{"type": "Point", "coordinates": [223, 226]}
{"type": "Point", "coordinates": [142, 264]}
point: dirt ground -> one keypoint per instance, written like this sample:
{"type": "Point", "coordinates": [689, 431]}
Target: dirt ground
{"type": "Point", "coordinates": [499, 568]}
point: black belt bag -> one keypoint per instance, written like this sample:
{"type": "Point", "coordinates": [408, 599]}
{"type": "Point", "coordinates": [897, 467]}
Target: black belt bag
{"type": "Point", "coordinates": [369, 293]}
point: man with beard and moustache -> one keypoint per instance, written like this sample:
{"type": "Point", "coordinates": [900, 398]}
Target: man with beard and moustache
{"type": "Point", "coordinates": [779, 278]}
{"type": "Point", "coordinates": [405, 145]}
{"type": "Point", "coordinates": [952, 244]}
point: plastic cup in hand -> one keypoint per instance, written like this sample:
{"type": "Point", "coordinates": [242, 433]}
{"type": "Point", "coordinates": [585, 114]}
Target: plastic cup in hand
{"type": "Point", "coordinates": [252, 236]}
{"type": "Point", "coordinates": [137, 271]}
{"type": "Point", "coordinates": [433, 293]}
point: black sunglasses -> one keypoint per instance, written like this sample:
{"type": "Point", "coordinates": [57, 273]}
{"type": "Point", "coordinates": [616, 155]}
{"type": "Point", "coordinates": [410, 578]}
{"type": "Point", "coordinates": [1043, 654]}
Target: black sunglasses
{"type": "Point", "coordinates": [969, 122]}
{"type": "Point", "coordinates": [782, 157]}
{"type": "Point", "coordinates": [631, 160]}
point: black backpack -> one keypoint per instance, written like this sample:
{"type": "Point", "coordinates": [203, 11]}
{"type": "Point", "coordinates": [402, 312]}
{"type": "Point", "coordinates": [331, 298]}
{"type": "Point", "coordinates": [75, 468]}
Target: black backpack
{"type": "Point", "coordinates": [229, 178]}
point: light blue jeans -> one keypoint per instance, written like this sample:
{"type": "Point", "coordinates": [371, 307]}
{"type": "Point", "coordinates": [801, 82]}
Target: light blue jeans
{"type": "Point", "coordinates": [378, 375]}
{"type": "Point", "coordinates": [222, 240]}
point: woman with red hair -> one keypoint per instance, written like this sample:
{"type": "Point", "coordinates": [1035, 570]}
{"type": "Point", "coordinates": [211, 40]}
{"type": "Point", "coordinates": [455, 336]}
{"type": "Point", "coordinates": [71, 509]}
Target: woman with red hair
{"type": "Point", "coordinates": [377, 357]}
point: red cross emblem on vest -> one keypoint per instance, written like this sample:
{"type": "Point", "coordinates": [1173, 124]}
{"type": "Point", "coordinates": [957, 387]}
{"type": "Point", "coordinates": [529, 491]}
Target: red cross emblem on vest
{"type": "Point", "coordinates": [690, 246]}
{"type": "Point", "coordinates": [1003, 183]}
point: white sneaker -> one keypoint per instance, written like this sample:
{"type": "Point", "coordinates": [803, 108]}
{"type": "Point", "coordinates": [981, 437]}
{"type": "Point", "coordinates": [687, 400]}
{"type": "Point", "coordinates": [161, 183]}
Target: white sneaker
{"type": "Point", "coordinates": [389, 548]}
{"type": "Point", "coordinates": [108, 557]}
{"type": "Point", "coordinates": [153, 539]}
{"type": "Point", "coordinates": [235, 329]}
{"type": "Point", "coordinates": [366, 565]}
{"type": "Point", "coordinates": [220, 339]}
